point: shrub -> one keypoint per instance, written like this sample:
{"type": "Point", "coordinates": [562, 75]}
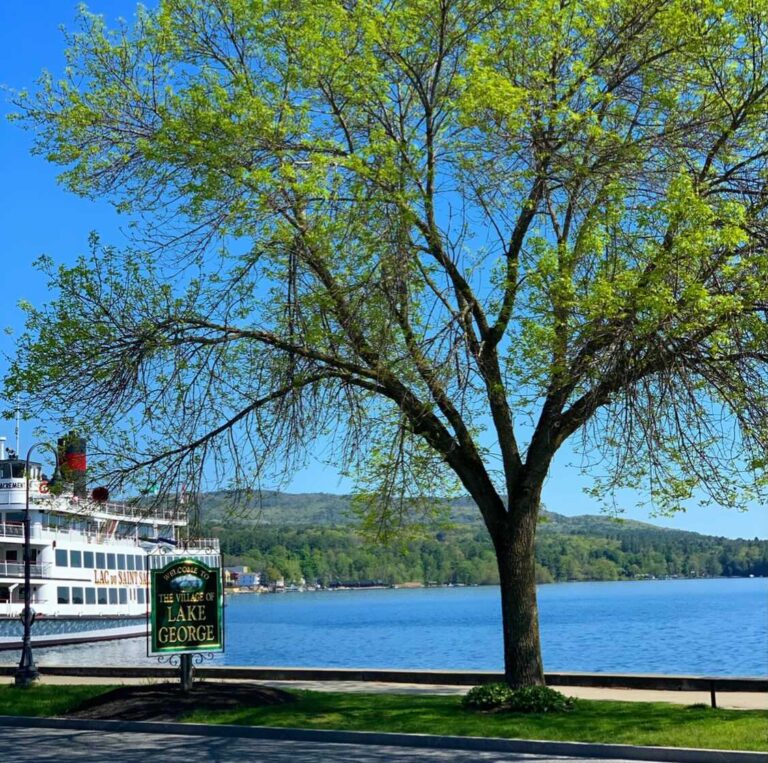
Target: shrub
{"type": "Point", "coordinates": [539, 699]}
{"type": "Point", "coordinates": [487, 696]}
{"type": "Point", "coordinates": [529, 699]}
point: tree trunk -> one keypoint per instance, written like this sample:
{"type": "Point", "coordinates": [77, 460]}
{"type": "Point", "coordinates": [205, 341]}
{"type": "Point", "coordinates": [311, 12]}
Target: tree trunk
{"type": "Point", "coordinates": [514, 545]}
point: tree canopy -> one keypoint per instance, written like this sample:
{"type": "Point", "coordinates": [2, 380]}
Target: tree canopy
{"type": "Point", "coordinates": [446, 234]}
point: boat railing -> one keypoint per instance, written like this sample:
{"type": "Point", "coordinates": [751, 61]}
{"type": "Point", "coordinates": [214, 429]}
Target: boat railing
{"type": "Point", "coordinates": [206, 545]}
{"type": "Point", "coordinates": [84, 536]}
{"type": "Point", "coordinates": [111, 510]}
{"type": "Point", "coordinates": [68, 504]}
{"type": "Point", "coordinates": [11, 530]}
{"type": "Point", "coordinates": [16, 570]}
{"type": "Point", "coordinates": [128, 511]}
{"type": "Point", "coordinates": [45, 533]}
{"type": "Point", "coordinates": [15, 608]}
{"type": "Point", "coordinates": [90, 537]}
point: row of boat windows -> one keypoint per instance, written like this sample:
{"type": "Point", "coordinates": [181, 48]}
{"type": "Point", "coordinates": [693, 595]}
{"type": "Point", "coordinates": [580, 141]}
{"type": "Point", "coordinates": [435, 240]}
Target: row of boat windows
{"type": "Point", "coordinates": [80, 595]}
{"type": "Point", "coordinates": [100, 560]}
{"type": "Point", "coordinates": [15, 470]}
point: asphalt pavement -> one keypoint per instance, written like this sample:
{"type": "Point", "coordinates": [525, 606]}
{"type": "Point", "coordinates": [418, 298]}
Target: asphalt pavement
{"type": "Point", "coordinates": [45, 745]}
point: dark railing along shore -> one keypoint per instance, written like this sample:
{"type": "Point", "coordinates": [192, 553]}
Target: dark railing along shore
{"type": "Point", "coordinates": [650, 681]}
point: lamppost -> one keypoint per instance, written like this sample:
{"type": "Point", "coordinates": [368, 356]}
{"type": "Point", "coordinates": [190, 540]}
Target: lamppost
{"type": "Point", "coordinates": [27, 673]}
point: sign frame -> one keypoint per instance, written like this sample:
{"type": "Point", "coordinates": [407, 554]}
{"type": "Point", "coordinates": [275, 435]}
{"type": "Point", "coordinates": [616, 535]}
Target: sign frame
{"type": "Point", "coordinates": [186, 597]}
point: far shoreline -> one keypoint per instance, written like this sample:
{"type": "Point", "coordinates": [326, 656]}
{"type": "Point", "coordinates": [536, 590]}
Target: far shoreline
{"type": "Point", "coordinates": [413, 585]}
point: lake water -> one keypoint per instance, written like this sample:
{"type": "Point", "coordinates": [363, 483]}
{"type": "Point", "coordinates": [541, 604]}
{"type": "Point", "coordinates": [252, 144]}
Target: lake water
{"type": "Point", "coordinates": [703, 627]}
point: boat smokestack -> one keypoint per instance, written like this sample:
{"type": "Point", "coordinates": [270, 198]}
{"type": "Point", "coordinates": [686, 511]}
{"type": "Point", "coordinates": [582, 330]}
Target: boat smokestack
{"type": "Point", "coordinates": [2, 448]}
{"type": "Point", "coordinates": [73, 462]}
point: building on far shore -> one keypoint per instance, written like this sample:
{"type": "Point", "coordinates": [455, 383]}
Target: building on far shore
{"type": "Point", "coordinates": [250, 579]}
{"type": "Point", "coordinates": [240, 576]}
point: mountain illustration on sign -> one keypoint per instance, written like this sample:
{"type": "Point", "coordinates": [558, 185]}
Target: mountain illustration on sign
{"type": "Point", "coordinates": [187, 583]}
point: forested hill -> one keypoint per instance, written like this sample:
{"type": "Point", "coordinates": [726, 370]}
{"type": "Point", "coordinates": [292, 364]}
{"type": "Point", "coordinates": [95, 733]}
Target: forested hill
{"type": "Point", "coordinates": [312, 537]}
{"type": "Point", "coordinates": [273, 508]}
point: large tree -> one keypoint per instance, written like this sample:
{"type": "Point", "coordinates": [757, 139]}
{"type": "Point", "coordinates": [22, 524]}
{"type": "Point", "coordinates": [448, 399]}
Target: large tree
{"type": "Point", "coordinates": [441, 236]}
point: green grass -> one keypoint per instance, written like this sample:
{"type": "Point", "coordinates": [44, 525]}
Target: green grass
{"type": "Point", "coordinates": [642, 723]}
{"type": "Point", "coordinates": [45, 699]}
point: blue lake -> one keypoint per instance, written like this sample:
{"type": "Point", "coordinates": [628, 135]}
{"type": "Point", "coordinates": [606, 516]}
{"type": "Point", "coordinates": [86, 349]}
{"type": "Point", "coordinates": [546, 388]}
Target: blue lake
{"type": "Point", "coordinates": [705, 627]}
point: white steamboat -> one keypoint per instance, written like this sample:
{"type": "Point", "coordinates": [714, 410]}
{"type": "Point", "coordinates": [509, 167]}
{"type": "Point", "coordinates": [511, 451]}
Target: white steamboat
{"type": "Point", "coordinates": [89, 558]}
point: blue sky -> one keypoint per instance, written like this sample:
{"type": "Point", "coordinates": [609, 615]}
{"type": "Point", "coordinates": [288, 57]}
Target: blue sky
{"type": "Point", "coordinates": [37, 217]}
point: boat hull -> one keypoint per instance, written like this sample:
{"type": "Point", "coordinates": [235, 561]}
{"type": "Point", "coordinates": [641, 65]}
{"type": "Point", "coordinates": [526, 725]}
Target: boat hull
{"type": "Point", "coordinates": [59, 631]}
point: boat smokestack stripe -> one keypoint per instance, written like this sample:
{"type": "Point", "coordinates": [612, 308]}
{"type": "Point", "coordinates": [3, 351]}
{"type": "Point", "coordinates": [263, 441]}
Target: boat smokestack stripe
{"type": "Point", "coordinates": [72, 456]}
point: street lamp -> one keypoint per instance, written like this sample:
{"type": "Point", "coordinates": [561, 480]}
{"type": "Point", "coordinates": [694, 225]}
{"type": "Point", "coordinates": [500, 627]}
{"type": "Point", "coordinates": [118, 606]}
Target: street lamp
{"type": "Point", "coordinates": [27, 673]}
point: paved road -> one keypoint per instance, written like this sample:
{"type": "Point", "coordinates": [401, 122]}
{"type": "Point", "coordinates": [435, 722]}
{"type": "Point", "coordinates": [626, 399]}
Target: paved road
{"type": "Point", "coordinates": [22, 745]}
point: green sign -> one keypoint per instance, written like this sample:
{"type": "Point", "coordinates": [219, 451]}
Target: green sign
{"type": "Point", "coordinates": [186, 608]}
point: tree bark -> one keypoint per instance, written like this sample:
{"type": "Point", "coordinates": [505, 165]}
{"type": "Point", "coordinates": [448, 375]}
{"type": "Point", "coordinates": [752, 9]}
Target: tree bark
{"type": "Point", "coordinates": [515, 555]}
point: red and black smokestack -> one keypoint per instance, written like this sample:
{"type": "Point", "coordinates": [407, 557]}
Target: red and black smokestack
{"type": "Point", "coordinates": [73, 462]}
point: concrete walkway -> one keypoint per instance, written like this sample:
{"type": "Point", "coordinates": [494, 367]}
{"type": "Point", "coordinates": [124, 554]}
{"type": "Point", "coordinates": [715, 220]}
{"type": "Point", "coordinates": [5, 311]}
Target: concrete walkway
{"type": "Point", "coordinates": [728, 700]}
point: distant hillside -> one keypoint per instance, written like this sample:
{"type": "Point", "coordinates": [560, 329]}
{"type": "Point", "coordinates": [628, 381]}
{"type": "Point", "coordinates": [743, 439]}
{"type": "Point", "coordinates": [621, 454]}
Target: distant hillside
{"type": "Point", "coordinates": [313, 536]}
{"type": "Point", "coordinates": [317, 509]}
{"type": "Point", "coordinates": [605, 525]}
{"type": "Point", "coordinates": [331, 510]}
{"type": "Point", "coordinates": [273, 508]}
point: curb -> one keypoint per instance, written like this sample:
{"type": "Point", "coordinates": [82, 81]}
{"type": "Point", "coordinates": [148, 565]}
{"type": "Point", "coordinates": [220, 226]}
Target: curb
{"type": "Point", "coordinates": [425, 741]}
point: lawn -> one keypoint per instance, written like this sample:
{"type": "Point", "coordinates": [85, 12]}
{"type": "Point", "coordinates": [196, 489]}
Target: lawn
{"type": "Point", "coordinates": [44, 699]}
{"type": "Point", "coordinates": [642, 723]}
{"type": "Point", "coordinates": [654, 724]}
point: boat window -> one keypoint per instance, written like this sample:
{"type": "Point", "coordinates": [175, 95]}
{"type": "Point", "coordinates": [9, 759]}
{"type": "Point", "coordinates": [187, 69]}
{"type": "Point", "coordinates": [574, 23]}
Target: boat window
{"type": "Point", "coordinates": [62, 557]}
{"type": "Point", "coordinates": [90, 595]}
{"type": "Point", "coordinates": [102, 595]}
{"type": "Point", "coordinates": [88, 559]}
{"type": "Point", "coordinates": [101, 560]}
{"type": "Point", "coordinates": [131, 561]}
{"type": "Point", "coordinates": [111, 562]}
{"type": "Point", "coordinates": [123, 595]}
{"type": "Point", "coordinates": [140, 595]}
{"type": "Point", "coordinates": [139, 563]}
{"type": "Point", "coordinates": [113, 595]}
{"type": "Point", "coordinates": [121, 561]}
{"type": "Point", "coordinates": [11, 555]}
{"type": "Point", "coordinates": [17, 468]}
{"type": "Point", "coordinates": [5, 471]}
{"type": "Point", "coordinates": [62, 595]}
{"type": "Point", "coordinates": [77, 595]}
{"type": "Point", "coordinates": [75, 560]}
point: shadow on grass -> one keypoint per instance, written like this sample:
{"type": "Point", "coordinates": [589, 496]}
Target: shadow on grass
{"type": "Point", "coordinates": [653, 724]}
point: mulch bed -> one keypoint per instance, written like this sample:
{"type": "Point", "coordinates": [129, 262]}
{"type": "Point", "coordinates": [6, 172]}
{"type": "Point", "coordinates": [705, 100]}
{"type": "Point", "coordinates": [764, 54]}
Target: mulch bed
{"type": "Point", "coordinates": [167, 702]}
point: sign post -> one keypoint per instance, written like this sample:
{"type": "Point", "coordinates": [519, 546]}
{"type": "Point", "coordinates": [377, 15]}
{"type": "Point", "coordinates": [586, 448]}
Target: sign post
{"type": "Point", "coordinates": [186, 611]}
